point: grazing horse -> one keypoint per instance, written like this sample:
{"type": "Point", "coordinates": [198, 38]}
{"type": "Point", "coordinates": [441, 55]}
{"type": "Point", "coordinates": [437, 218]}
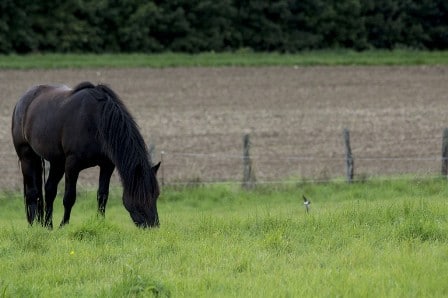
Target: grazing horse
{"type": "Point", "coordinates": [74, 129]}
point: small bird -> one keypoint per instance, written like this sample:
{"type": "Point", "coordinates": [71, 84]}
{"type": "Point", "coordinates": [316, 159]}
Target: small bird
{"type": "Point", "coordinates": [307, 203]}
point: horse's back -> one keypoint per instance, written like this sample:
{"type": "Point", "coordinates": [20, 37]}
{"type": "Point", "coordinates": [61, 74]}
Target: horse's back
{"type": "Point", "coordinates": [52, 119]}
{"type": "Point", "coordinates": [25, 101]}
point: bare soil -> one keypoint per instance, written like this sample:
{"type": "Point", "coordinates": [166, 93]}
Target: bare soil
{"type": "Point", "coordinates": [295, 116]}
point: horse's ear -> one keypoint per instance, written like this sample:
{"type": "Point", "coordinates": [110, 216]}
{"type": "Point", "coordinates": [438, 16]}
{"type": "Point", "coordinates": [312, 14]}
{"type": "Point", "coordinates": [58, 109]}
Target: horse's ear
{"type": "Point", "coordinates": [156, 167]}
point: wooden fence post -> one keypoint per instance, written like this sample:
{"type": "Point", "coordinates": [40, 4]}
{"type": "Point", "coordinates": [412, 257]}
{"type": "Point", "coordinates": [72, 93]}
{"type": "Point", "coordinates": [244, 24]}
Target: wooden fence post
{"type": "Point", "coordinates": [162, 164]}
{"type": "Point", "coordinates": [349, 164]}
{"type": "Point", "coordinates": [248, 175]}
{"type": "Point", "coordinates": [445, 152]}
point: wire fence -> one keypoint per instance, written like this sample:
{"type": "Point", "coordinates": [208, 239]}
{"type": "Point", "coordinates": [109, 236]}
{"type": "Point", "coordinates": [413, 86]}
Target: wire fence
{"type": "Point", "coordinates": [312, 169]}
{"type": "Point", "coordinates": [204, 167]}
{"type": "Point", "coordinates": [270, 167]}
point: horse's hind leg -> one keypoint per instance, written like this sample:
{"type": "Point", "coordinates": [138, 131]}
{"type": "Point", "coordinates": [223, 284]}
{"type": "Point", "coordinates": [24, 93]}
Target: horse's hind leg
{"type": "Point", "coordinates": [31, 165]}
{"type": "Point", "coordinates": [40, 198]}
{"type": "Point", "coordinates": [51, 188]}
{"type": "Point", "coordinates": [106, 171]}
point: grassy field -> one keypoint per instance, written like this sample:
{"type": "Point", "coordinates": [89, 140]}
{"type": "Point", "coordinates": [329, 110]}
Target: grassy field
{"type": "Point", "coordinates": [372, 239]}
{"type": "Point", "coordinates": [242, 58]}
{"type": "Point", "coordinates": [380, 238]}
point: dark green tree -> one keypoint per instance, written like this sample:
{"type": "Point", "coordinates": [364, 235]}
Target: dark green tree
{"type": "Point", "coordinates": [259, 24]}
{"type": "Point", "coordinates": [385, 22]}
{"type": "Point", "coordinates": [16, 33]}
{"type": "Point", "coordinates": [206, 25]}
{"type": "Point", "coordinates": [427, 24]}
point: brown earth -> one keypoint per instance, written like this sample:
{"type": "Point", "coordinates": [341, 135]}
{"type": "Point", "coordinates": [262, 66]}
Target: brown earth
{"type": "Point", "coordinates": [295, 115]}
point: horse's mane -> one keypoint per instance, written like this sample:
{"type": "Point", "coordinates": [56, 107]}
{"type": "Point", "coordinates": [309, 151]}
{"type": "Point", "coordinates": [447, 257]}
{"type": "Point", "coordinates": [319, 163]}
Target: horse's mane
{"type": "Point", "coordinates": [81, 86]}
{"type": "Point", "coordinates": [124, 145]}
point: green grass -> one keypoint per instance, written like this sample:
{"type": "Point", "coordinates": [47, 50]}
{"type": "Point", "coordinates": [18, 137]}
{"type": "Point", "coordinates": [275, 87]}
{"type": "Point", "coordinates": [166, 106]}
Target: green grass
{"type": "Point", "coordinates": [372, 239]}
{"type": "Point", "coordinates": [241, 58]}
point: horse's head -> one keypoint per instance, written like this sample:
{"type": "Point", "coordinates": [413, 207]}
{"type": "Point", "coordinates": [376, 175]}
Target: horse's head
{"type": "Point", "coordinates": [145, 218]}
{"type": "Point", "coordinates": [143, 214]}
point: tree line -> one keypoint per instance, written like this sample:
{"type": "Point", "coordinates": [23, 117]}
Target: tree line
{"type": "Point", "coordinates": [192, 26]}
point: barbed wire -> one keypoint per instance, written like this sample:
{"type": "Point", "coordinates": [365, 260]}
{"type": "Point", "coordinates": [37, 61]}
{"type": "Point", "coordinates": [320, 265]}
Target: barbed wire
{"type": "Point", "coordinates": [13, 178]}
{"type": "Point", "coordinates": [301, 158]}
{"type": "Point", "coordinates": [300, 181]}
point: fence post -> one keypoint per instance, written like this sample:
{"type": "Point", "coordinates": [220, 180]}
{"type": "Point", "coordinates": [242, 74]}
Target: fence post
{"type": "Point", "coordinates": [248, 176]}
{"type": "Point", "coordinates": [445, 152]}
{"type": "Point", "coordinates": [349, 164]}
{"type": "Point", "coordinates": [162, 164]}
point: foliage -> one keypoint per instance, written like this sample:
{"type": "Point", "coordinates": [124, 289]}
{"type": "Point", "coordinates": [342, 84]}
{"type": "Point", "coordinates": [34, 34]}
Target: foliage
{"type": "Point", "coordinates": [377, 238]}
{"type": "Point", "coordinates": [204, 25]}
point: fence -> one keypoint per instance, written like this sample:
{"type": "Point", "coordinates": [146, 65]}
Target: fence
{"type": "Point", "coordinates": [249, 169]}
{"type": "Point", "coordinates": [428, 166]}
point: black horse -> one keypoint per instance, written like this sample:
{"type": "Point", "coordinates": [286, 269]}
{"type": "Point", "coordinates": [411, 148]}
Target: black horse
{"type": "Point", "coordinates": [74, 129]}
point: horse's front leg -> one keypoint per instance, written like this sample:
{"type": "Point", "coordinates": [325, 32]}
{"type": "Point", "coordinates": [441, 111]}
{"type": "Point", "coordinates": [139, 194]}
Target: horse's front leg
{"type": "Point", "coordinates": [71, 177]}
{"type": "Point", "coordinates": [51, 188]}
{"type": "Point", "coordinates": [106, 171]}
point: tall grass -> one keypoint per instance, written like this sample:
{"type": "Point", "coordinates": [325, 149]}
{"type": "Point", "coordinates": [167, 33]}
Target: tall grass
{"type": "Point", "coordinates": [373, 239]}
{"type": "Point", "coordinates": [241, 58]}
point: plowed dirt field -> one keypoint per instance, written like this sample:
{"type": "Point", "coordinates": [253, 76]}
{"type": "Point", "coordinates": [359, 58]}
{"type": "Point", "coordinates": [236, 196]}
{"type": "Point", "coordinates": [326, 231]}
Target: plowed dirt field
{"type": "Point", "coordinates": [295, 116]}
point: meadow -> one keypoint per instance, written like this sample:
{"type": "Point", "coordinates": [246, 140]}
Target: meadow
{"type": "Point", "coordinates": [380, 238]}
